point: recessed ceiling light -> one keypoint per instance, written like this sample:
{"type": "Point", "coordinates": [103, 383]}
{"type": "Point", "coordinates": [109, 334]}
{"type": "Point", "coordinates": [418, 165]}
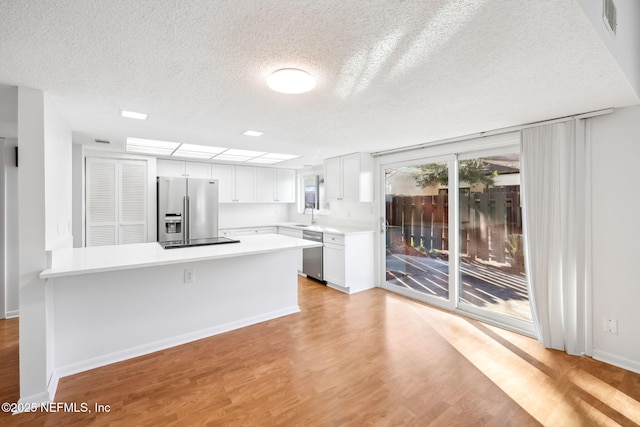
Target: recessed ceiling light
{"type": "Point", "coordinates": [253, 133]}
{"type": "Point", "coordinates": [133, 115]}
{"type": "Point", "coordinates": [291, 81]}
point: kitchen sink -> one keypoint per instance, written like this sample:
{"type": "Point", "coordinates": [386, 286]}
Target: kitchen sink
{"type": "Point", "coordinates": [301, 225]}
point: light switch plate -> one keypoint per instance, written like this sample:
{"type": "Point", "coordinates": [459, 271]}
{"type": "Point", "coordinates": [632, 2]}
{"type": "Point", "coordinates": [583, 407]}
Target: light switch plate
{"type": "Point", "coordinates": [189, 275]}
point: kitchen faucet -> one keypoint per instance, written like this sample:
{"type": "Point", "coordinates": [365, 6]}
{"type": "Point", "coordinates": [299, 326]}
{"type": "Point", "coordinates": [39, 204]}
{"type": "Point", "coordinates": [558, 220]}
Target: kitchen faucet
{"type": "Point", "coordinates": [304, 212]}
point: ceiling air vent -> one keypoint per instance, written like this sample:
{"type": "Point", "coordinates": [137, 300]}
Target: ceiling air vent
{"type": "Point", "coordinates": [102, 141]}
{"type": "Point", "coordinates": [609, 15]}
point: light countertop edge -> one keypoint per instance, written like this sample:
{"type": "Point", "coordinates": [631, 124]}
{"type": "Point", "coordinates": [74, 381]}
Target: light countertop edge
{"type": "Point", "coordinates": [98, 259]}
{"type": "Point", "coordinates": [346, 230]}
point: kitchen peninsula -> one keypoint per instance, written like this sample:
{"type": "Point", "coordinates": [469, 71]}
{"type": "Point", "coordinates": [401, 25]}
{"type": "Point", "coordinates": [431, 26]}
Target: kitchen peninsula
{"type": "Point", "coordinates": [111, 303]}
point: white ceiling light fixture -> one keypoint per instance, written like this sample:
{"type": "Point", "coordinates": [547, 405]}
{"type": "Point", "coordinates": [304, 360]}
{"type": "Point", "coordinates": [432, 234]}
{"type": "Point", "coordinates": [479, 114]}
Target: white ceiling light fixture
{"type": "Point", "coordinates": [272, 158]}
{"type": "Point", "coordinates": [177, 149]}
{"type": "Point", "coordinates": [197, 151]}
{"type": "Point", "coordinates": [291, 81]}
{"type": "Point", "coordinates": [278, 156]}
{"type": "Point", "coordinates": [149, 146]}
{"type": "Point", "coordinates": [236, 155]}
{"type": "Point", "coordinates": [133, 115]}
{"type": "Point", "coordinates": [253, 133]}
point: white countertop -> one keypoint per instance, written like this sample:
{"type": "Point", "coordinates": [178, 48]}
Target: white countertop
{"type": "Point", "coordinates": [74, 261]}
{"type": "Point", "coordinates": [326, 228]}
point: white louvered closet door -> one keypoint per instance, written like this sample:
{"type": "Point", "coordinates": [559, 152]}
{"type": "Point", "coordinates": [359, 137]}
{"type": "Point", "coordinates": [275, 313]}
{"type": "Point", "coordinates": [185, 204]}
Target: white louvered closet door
{"type": "Point", "coordinates": [116, 201]}
{"type": "Point", "coordinates": [101, 202]}
{"type": "Point", "coordinates": [133, 201]}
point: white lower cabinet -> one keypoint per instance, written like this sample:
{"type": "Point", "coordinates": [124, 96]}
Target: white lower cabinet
{"type": "Point", "coordinates": [238, 232]}
{"type": "Point", "coordinates": [293, 232]}
{"type": "Point", "coordinates": [334, 271]}
{"type": "Point", "coordinates": [348, 261]}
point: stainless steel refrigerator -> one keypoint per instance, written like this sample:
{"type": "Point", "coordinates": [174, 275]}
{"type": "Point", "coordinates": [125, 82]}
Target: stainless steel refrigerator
{"type": "Point", "coordinates": [187, 208]}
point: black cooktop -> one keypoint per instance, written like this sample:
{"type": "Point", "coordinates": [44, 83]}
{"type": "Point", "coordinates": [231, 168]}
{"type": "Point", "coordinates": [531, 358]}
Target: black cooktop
{"type": "Point", "coordinates": [172, 244]}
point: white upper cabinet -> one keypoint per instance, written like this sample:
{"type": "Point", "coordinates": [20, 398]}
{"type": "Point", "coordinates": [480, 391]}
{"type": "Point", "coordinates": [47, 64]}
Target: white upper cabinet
{"type": "Point", "coordinates": [225, 176]}
{"type": "Point", "coordinates": [236, 184]}
{"type": "Point", "coordinates": [275, 185]}
{"type": "Point", "coordinates": [349, 177]}
{"type": "Point", "coordinates": [265, 184]}
{"type": "Point", "coordinates": [285, 185]}
{"type": "Point", "coordinates": [245, 184]}
{"type": "Point", "coordinates": [181, 169]}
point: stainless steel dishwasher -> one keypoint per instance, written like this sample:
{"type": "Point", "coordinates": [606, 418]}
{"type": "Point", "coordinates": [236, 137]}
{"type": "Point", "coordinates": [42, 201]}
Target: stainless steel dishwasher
{"type": "Point", "coordinates": [312, 257]}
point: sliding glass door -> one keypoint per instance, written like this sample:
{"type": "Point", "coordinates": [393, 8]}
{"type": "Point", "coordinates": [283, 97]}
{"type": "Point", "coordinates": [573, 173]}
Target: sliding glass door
{"type": "Point", "coordinates": [492, 281]}
{"type": "Point", "coordinates": [453, 234]}
{"type": "Point", "coordinates": [417, 230]}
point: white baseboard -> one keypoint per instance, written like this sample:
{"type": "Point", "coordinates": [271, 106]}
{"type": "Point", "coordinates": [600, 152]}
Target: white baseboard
{"type": "Point", "coordinates": [26, 404]}
{"type": "Point", "coordinates": [12, 313]}
{"type": "Point", "coordinates": [53, 385]}
{"type": "Point", "coordinates": [338, 287]}
{"type": "Point", "coordinates": [107, 359]}
{"type": "Point", "coordinates": [612, 359]}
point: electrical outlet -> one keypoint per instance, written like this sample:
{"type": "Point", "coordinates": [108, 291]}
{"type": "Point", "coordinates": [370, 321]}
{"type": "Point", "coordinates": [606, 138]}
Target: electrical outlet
{"type": "Point", "coordinates": [610, 325]}
{"type": "Point", "coordinates": [189, 275]}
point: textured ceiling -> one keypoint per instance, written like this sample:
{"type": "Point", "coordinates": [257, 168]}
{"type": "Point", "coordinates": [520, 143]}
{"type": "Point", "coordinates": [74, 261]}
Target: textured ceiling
{"type": "Point", "coordinates": [390, 73]}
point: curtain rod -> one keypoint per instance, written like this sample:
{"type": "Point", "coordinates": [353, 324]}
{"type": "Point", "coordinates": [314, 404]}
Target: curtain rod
{"type": "Point", "coordinates": [491, 132]}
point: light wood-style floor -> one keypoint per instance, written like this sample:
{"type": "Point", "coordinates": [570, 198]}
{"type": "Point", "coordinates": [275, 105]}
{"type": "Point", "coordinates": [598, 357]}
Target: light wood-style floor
{"type": "Point", "coordinates": [372, 358]}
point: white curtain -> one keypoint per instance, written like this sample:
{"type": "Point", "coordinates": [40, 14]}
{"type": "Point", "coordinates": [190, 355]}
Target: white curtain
{"type": "Point", "coordinates": [552, 166]}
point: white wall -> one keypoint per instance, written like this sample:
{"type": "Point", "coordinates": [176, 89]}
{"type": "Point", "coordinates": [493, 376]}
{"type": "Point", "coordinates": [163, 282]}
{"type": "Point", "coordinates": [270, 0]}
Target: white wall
{"type": "Point", "coordinates": [57, 177]}
{"type": "Point", "coordinates": [77, 215]}
{"type": "Point", "coordinates": [8, 111]}
{"type": "Point", "coordinates": [31, 204]}
{"type": "Point", "coordinates": [11, 229]}
{"type": "Point", "coordinates": [625, 45]}
{"type": "Point", "coordinates": [9, 194]}
{"type": "Point", "coordinates": [41, 133]}
{"type": "Point", "coordinates": [615, 153]}
{"type": "Point", "coordinates": [3, 232]}
{"type": "Point", "coordinates": [251, 214]}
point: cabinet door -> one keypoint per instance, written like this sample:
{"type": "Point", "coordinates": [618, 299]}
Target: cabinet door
{"type": "Point", "coordinates": [101, 202]}
{"type": "Point", "coordinates": [333, 178]}
{"type": "Point", "coordinates": [245, 184]}
{"type": "Point", "coordinates": [285, 185]}
{"type": "Point", "coordinates": [224, 175]}
{"type": "Point", "coordinates": [351, 177]}
{"type": "Point", "coordinates": [198, 170]}
{"type": "Point", "coordinates": [334, 270]}
{"type": "Point", "coordinates": [170, 168]}
{"type": "Point", "coordinates": [265, 184]}
{"type": "Point", "coordinates": [116, 201]}
{"type": "Point", "coordinates": [132, 201]}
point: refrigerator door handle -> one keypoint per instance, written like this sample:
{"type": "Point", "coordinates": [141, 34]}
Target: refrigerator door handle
{"type": "Point", "coordinates": [187, 217]}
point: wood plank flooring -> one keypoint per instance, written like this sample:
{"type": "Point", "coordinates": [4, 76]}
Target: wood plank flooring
{"type": "Point", "coordinates": [373, 358]}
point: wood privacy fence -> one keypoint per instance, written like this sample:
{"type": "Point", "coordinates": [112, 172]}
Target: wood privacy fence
{"type": "Point", "coordinates": [491, 224]}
